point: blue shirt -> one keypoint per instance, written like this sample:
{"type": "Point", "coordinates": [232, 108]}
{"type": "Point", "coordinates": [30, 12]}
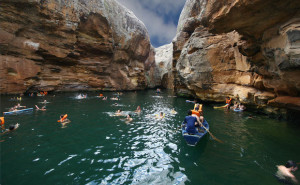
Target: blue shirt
{"type": "Point", "coordinates": [190, 124]}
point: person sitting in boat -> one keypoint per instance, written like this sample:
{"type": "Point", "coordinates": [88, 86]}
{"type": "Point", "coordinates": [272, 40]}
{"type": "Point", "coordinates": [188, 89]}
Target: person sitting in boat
{"type": "Point", "coordinates": [138, 109]}
{"type": "Point", "coordinates": [18, 106]}
{"type": "Point", "coordinates": [228, 102]}
{"type": "Point", "coordinates": [191, 123]}
{"type": "Point", "coordinates": [13, 109]}
{"type": "Point", "coordinates": [284, 173]}
{"type": "Point", "coordinates": [198, 113]}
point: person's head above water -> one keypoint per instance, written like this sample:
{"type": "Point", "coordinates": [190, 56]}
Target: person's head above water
{"type": "Point", "coordinates": [11, 127]}
{"type": "Point", "coordinates": [290, 164]}
{"type": "Point", "coordinates": [189, 112]}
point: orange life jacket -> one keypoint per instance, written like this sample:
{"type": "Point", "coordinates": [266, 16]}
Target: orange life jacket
{"type": "Point", "coordinates": [228, 101]}
{"type": "Point", "coordinates": [196, 112]}
{"type": "Point", "coordinates": [2, 120]}
{"type": "Point", "coordinates": [63, 118]}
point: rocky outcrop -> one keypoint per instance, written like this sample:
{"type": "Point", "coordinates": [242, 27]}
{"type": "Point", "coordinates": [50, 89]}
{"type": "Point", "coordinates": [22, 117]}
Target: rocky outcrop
{"type": "Point", "coordinates": [245, 49]}
{"type": "Point", "coordinates": [71, 45]}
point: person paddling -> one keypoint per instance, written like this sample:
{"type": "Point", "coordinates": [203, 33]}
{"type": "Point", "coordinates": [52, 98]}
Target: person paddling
{"type": "Point", "coordinates": [284, 173]}
{"type": "Point", "coordinates": [191, 122]}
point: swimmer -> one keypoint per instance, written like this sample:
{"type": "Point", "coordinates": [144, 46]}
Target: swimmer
{"type": "Point", "coordinates": [63, 119]}
{"type": "Point", "coordinates": [284, 173]}
{"type": "Point", "coordinates": [11, 128]}
{"type": "Point", "coordinates": [128, 119]}
{"type": "Point", "coordinates": [160, 116]}
{"type": "Point", "coordinates": [42, 109]}
{"type": "Point", "coordinates": [138, 109]}
{"type": "Point", "coordinates": [45, 101]}
{"type": "Point", "coordinates": [173, 111]}
{"type": "Point", "coordinates": [119, 113]}
{"type": "Point", "coordinates": [104, 98]}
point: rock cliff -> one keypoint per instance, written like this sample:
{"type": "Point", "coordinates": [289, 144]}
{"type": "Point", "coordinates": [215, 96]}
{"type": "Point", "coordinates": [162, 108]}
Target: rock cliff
{"type": "Point", "coordinates": [71, 45]}
{"type": "Point", "coordinates": [249, 50]}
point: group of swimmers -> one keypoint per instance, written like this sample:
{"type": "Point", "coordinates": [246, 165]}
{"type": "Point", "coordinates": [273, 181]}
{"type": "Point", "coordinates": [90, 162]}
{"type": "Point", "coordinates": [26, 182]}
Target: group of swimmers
{"type": "Point", "coordinates": [237, 105]}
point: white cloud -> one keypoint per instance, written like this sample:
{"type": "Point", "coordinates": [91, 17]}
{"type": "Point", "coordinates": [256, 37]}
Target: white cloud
{"type": "Point", "coordinates": [159, 16]}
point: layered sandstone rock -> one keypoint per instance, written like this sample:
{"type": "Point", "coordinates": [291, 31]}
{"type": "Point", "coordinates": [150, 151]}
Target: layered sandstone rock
{"type": "Point", "coordinates": [71, 45]}
{"type": "Point", "coordinates": [244, 49]}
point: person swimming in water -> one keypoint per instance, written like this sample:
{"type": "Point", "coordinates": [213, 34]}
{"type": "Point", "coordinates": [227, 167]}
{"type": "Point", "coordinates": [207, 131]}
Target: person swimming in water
{"type": "Point", "coordinates": [138, 109]}
{"type": "Point", "coordinates": [128, 119]}
{"type": "Point", "coordinates": [11, 128]}
{"type": "Point", "coordinates": [284, 173]}
{"type": "Point", "coordinates": [118, 113]}
{"type": "Point", "coordinates": [160, 116]}
{"type": "Point", "coordinates": [42, 109]}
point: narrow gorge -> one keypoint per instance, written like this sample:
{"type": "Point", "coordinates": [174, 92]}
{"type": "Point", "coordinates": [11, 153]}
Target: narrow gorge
{"type": "Point", "coordinates": [249, 50]}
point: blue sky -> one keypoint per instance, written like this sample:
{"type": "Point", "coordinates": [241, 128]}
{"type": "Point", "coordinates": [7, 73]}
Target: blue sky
{"type": "Point", "coordinates": [159, 16]}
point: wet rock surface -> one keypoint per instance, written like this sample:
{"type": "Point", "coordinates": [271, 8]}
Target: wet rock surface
{"type": "Point", "coordinates": [70, 46]}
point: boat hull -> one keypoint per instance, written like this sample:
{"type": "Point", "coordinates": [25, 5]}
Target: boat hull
{"type": "Point", "coordinates": [193, 139]}
{"type": "Point", "coordinates": [18, 111]}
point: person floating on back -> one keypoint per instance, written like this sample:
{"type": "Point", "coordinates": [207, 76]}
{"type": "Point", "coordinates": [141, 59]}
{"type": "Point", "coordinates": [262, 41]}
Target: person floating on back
{"type": "Point", "coordinates": [284, 173]}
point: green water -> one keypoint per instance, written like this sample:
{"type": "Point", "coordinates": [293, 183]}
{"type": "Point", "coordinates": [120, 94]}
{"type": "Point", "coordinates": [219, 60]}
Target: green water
{"type": "Point", "coordinates": [96, 148]}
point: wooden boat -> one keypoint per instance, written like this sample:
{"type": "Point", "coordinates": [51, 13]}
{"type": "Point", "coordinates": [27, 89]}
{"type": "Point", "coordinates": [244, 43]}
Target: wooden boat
{"type": "Point", "coordinates": [193, 139]}
{"type": "Point", "coordinates": [18, 111]}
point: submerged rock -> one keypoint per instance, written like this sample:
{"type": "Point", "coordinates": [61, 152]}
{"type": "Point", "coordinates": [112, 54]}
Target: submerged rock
{"type": "Point", "coordinates": [71, 45]}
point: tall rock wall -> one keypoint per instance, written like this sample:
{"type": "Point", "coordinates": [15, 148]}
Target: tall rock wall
{"type": "Point", "coordinates": [249, 50]}
{"type": "Point", "coordinates": [71, 45]}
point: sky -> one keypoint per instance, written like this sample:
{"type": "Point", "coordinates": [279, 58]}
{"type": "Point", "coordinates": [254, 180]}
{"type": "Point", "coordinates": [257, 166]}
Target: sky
{"type": "Point", "coordinates": [160, 17]}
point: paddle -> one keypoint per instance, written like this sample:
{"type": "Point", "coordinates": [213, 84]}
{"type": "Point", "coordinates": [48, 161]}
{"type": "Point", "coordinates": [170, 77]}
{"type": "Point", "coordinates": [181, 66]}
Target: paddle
{"type": "Point", "coordinates": [212, 135]}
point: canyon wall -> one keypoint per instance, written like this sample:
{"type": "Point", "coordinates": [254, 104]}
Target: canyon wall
{"type": "Point", "coordinates": [55, 45]}
{"type": "Point", "coordinates": [249, 50]}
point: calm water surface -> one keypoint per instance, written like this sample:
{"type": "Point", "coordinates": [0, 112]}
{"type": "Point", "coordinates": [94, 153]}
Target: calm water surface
{"type": "Point", "coordinates": [96, 148]}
